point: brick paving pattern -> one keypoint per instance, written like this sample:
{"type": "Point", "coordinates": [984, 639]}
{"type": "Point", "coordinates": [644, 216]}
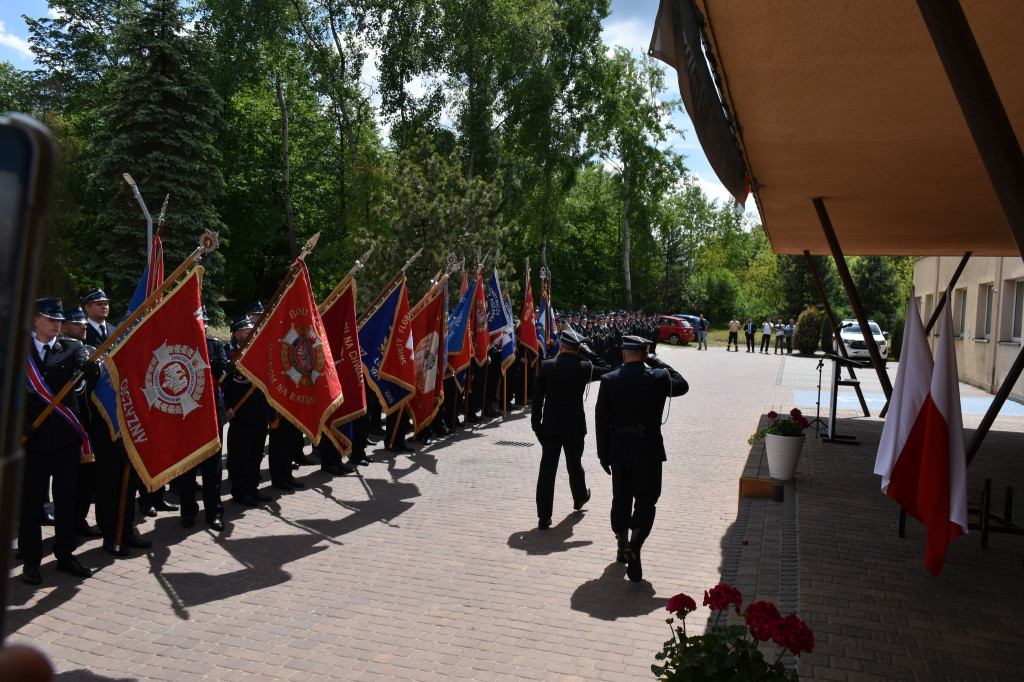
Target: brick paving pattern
{"type": "Point", "coordinates": [429, 566]}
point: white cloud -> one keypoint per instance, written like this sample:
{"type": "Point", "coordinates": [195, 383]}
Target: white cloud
{"type": "Point", "coordinates": [716, 191]}
{"type": "Point", "coordinates": [20, 45]}
{"type": "Point", "coordinates": [632, 34]}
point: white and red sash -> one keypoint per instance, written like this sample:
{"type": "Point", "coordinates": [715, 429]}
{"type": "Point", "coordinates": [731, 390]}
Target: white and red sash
{"type": "Point", "coordinates": [37, 385]}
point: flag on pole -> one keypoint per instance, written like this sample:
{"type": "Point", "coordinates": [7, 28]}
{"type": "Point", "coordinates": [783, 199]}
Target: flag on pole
{"type": "Point", "coordinates": [527, 328]}
{"type": "Point", "coordinates": [928, 476]}
{"type": "Point", "coordinates": [465, 282]}
{"type": "Point", "coordinates": [374, 337]}
{"type": "Point", "coordinates": [458, 340]}
{"type": "Point", "coordinates": [428, 328]}
{"type": "Point", "coordinates": [104, 397]}
{"type": "Point", "coordinates": [399, 365]}
{"type": "Point", "coordinates": [289, 360]}
{"type": "Point", "coordinates": [165, 390]}
{"type": "Point", "coordinates": [508, 341]}
{"type": "Point", "coordinates": [339, 319]}
{"type": "Point", "coordinates": [499, 321]}
{"type": "Point", "coordinates": [481, 337]}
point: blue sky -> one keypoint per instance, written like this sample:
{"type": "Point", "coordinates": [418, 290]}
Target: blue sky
{"type": "Point", "coordinates": [630, 25]}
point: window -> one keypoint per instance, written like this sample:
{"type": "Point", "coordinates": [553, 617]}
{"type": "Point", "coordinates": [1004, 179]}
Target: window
{"type": "Point", "coordinates": [990, 295]}
{"type": "Point", "coordinates": [959, 310]}
{"type": "Point", "coordinates": [1018, 310]}
{"type": "Point", "coordinates": [926, 314]}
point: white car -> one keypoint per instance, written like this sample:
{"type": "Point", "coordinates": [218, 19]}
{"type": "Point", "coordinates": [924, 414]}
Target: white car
{"type": "Point", "coordinates": [856, 346]}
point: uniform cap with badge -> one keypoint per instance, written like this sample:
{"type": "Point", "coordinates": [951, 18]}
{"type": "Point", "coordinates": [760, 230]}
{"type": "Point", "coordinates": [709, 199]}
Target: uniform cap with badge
{"type": "Point", "coordinates": [94, 296]}
{"type": "Point", "coordinates": [242, 323]}
{"type": "Point", "coordinates": [635, 343]}
{"type": "Point", "coordinates": [50, 307]}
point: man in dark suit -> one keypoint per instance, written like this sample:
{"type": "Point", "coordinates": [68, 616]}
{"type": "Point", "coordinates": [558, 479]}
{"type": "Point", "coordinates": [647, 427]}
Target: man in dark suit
{"type": "Point", "coordinates": [97, 307]}
{"type": "Point", "coordinates": [559, 421]}
{"type": "Point", "coordinates": [247, 434]}
{"type": "Point", "coordinates": [211, 468]}
{"type": "Point", "coordinates": [55, 448]}
{"type": "Point", "coordinates": [629, 443]}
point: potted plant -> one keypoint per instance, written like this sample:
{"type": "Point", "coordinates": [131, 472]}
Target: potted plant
{"type": "Point", "coordinates": [730, 652]}
{"type": "Point", "coordinates": [783, 440]}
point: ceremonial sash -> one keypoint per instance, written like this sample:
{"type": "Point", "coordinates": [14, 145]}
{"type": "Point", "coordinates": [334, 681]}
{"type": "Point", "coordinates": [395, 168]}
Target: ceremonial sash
{"type": "Point", "coordinates": [37, 385]}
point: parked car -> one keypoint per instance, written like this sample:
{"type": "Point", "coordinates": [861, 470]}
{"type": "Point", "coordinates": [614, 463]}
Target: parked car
{"type": "Point", "coordinates": [853, 339]}
{"type": "Point", "coordinates": [674, 330]}
{"type": "Point", "coordinates": [692, 319]}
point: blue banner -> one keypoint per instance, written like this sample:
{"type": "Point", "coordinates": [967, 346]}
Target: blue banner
{"type": "Point", "coordinates": [373, 339]}
{"type": "Point", "coordinates": [457, 321]}
{"type": "Point", "coordinates": [499, 319]}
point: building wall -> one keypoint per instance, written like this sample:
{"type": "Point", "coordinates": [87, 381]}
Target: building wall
{"type": "Point", "coordinates": [988, 307]}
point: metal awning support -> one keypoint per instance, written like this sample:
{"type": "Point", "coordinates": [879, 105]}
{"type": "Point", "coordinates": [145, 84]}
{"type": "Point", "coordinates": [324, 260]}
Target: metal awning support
{"type": "Point", "coordinates": [834, 323]}
{"type": "Point", "coordinates": [851, 292]}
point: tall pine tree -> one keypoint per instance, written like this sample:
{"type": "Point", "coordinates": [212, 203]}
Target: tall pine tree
{"type": "Point", "coordinates": [158, 125]}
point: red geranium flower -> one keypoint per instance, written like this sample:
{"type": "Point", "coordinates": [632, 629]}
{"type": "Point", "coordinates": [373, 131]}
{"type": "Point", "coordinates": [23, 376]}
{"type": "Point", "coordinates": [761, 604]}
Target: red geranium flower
{"type": "Point", "coordinates": [773, 414]}
{"type": "Point", "coordinates": [761, 618]}
{"type": "Point", "coordinates": [681, 603]}
{"type": "Point", "coordinates": [793, 634]}
{"type": "Point", "coordinates": [721, 596]}
{"type": "Point", "coordinates": [794, 413]}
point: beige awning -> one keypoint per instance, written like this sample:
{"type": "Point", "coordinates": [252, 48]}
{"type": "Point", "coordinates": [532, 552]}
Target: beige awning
{"type": "Point", "coordinates": [848, 101]}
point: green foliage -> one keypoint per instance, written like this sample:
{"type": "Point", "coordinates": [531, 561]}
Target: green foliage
{"type": "Point", "coordinates": [723, 654]}
{"type": "Point", "coordinates": [807, 334]}
{"type": "Point", "coordinates": [157, 123]}
{"type": "Point", "coordinates": [15, 89]}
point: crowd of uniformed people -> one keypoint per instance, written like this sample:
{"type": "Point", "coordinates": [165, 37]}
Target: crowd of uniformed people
{"type": "Point", "coordinates": [62, 483]}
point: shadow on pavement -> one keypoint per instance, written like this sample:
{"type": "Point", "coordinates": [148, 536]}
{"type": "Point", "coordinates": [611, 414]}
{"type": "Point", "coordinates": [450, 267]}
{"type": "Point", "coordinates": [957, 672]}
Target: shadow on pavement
{"type": "Point", "coordinates": [612, 596]}
{"type": "Point", "coordinates": [82, 675]}
{"type": "Point", "coordinates": [551, 540]}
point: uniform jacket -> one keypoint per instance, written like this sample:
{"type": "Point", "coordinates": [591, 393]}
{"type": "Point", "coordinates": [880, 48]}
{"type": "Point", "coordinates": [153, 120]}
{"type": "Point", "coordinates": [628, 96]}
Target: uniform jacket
{"type": "Point", "coordinates": [93, 338]}
{"type": "Point", "coordinates": [630, 399]}
{"type": "Point", "coordinates": [218, 367]}
{"type": "Point", "coordinates": [558, 394]}
{"type": "Point", "coordinates": [65, 358]}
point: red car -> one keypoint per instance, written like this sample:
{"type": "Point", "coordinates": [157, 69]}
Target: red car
{"type": "Point", "coordinates": [675, 330]}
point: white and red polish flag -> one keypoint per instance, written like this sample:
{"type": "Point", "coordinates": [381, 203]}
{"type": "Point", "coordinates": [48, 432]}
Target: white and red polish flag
{"type": "Point", "coordinates": [927, 475]}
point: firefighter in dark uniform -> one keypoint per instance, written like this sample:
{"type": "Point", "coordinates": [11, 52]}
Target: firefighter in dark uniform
{"type": "Point", "coordinates": [55, 448]}
{"type": "Point", "coordinates": [629, 443]}
{"type": "Point", "coordinates": [247, 433]}
{"type": "Point", "coordinates": [211, 468]}
{"type": "Point", "coordinates": [559, 421]}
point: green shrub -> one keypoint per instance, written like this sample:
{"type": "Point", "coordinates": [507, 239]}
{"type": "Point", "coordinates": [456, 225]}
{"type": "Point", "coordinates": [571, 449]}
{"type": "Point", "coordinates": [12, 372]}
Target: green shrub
{"type": "Point", "coordinates": [808, 326]}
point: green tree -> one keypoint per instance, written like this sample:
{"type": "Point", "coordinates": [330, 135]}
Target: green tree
{"type": "Point", "coordinates": [158, 125]}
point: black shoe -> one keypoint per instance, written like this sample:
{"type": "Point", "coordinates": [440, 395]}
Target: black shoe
{"type": "Point", "coordinates": [295, 466]}
{"type": "Point", "coordinates": [148, 510]}
{"type": "Point", "coordinates": [74, 567]}
{"type": "Point", "coordinates": [296, 484]}
{"type": "Point", "coordinates": [87, 531]}
{"type": "Point", "coordinates": [379, 432]}
{"type": "Point", "coordinates": [349, 467]}
{"type": "Point", "coordinates": [371, 441]}
{"type": "Point", "coordinates": [579, 505]}
{"type": "Point", "coordinates": [113, 550]}
{"type": "Point", "coordinates": [282, 485]}
{"type": "Point", "coordinates": [188, 521]}
{"type": "Point", "coordinates": [48, 519]}
{"type": "Point", "coordinates": [262, 497]}
{"type": "Point", "coordinates": [334, 470]}
{"type": "Point", "coordinates": [30, 575]}
{"type": "Point", "coordinates": [362, 461]}
{"type": "Point", "coordinates": [544, 524]}
{"type": "Point", "coordinates": [137, 542]}
{"type": "Point", "coordinates": [623, 542]}
{"type": "Point", "coordinates": [400, 447]}
{"type": "Point", "coordinates": [305, 461]}
{"type": "Point", "coordinates": [634, 570]}
{"type": "Point", "coordinates": [166, 506]}
{"type": "Point", "coordinates": [217, 523]}
{"type": "Point", "coordinates": [248, 501]}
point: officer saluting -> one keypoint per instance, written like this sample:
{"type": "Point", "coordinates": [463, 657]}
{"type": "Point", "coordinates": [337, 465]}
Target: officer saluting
{"type": "Point", "coordinates": [629, 443]}
{"type": "Point", "coordinates": [559, 421]}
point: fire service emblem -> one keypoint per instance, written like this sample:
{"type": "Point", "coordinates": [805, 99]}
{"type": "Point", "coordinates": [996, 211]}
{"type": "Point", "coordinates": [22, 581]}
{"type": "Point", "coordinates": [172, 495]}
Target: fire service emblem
{"type": "Point", "coordinates": [302, 356]}
{"type": "Point", "coordinates": [175, 379]}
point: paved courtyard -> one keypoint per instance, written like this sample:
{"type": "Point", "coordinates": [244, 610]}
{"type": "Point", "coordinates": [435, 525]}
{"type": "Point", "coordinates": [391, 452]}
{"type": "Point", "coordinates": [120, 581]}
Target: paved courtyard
{"type": "Point", "coordinates": [429, 566]}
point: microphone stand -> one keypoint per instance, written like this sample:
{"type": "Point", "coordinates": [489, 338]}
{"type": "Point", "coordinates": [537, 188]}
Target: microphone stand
{"type": "Point", "coordinates": [818, 422]}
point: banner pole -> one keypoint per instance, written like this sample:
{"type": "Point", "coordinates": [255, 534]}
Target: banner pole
{"type": "Point", "coordinates": [387, 288]}
{"type": "Point", "coordinates": [121, 507]}
{"type": "Point", "coordinates": [329, 300]}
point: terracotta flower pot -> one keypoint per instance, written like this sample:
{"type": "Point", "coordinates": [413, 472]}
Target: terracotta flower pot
{"type": "Point", "coordinates": [783, 455]}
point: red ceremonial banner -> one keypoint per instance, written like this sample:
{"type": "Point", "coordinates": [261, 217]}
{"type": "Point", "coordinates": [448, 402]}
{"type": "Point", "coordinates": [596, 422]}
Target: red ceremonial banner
{"type": "Point", "coordinates": [481, 335]}
{"type": "Point", "coordinates": [428, 328]}
{"type": "Point", "coordinates": [165, 391]}
{"type": "Point", "coordinates": [339, 320]}
{"type": "Point", "coordinates": [398, 365]}
{"type": "Point", "coordinates": [290, 361]}
{"type": "Point", "coordinates": [527, 329]}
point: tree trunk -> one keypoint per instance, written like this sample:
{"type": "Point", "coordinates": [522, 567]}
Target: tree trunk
{"type": "Point", "coordinates": [286, 189]}
{"type": "Point", "coordinates": [545, 218]}
{"type": "Point", "coordinates": [625, 240]}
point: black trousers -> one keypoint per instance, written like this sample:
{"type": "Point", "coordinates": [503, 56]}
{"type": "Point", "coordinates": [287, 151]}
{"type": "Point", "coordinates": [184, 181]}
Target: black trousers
{"type": "Point", "coordinates": [62, 464]}
{"type": "Point", "coordinates": [734, 338]}
{"type": "Point", "coordinates": [84, 490]}
{"type": "Point", "coordinates": [751, 343]}
{"type": "Point", "coordinates": [551, 448]}
{"type": "Point", "coordinates": [766, 342]}
{"type": "Point", "coordinates": [393, 422]}
{"type": "Point", "coordinates": [246, 441]}
{"type": "Point", "coordinates": [211, 470]}
{"type": "Point", "coordinates": [285, 442]}
{"type": "Point", "coordinates": [636, 487]}
{"type": "Point", "coordinates": [111, 460]}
